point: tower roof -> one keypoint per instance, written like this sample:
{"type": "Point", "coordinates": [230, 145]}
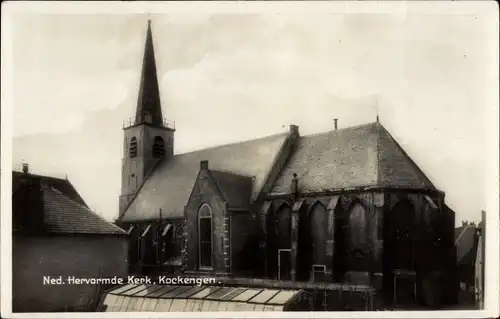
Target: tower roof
{"type": "Point", "coordinates": [148, 103]}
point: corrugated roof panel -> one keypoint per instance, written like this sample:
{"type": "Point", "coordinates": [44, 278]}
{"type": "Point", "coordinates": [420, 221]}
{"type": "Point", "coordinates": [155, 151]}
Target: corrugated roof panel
{"type": "Point", "coordinates": [163, 305]}
{"type": "Point", "coordinates": [121, 289]}
{"type": "Point", "coordinates": [214, 306]}
{"type": "Point", "coordinates": [177, 305]}
{"type": "Point", "coordinates": [161, 291]}
{"type": "Point", "coordinates": [233, 293]}
{"type": "Point", "coordinates": [131, 304]}
{"type": "Point", "coordinates": [205, 292]}
{"type": "Point", "coordinates": [264, 296]}
{"type": "Point", "coordinates": [154, 304]}
{"type": "Point", "coordinates": [282, 297]}
{"type": "Point", "coordinates": [124, 305]}
{"type": "Point", "coordinates": [197, 305]}
{"type": "Point", "coordinates": [177, 291]}
{"type": "Point", "coordinates": [222, 306]}
{"type": "Point", "coordinates": [206, 305]}
{"type": "Point", "coordinates": [241, 306]}
{"type": "Point", "coordinates": [135, 290]}
{"type": "Point", "coordinates": [189, 305]}
{"type": "Point", "coordinates": [148, 290]}
{"type": "Point", "coordinates": [220, 293]}
{"type": "Point", "coordinates": [258, 308]}
{"type": "Point", "coordinates": [190, 292]}
{"type": "Point", "coordinates": [146, 304]}
{"type": "Point", "coordinates": [268, 308]}
{"type": "Point", "coordinates": [138, 304]}
{"type": "Point", "coordinates": [244, 296]}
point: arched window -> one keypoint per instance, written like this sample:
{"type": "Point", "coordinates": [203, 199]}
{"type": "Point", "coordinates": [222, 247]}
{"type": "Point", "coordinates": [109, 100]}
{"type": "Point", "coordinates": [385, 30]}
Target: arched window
{"type": "Point", "coordinates": [283, 227]}
{"type": "Point", "coordinates": [401, 235]}
{"type": "Point", "coordinates": [133, 147]}
{"type": "Point", "coordinates": [205, 236]}
{"type": "Point", "coordinates": [158, 147]}
{"type": "Point", "coordinates": [318, 221]}
{"type": "Point", "coordinates": [357, 228]}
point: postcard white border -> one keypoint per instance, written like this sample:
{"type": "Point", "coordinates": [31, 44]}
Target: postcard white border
{"type": "Point", "coordinates": [239, 7]}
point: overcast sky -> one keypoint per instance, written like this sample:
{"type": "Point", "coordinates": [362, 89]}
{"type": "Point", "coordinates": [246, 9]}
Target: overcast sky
{"type": "Point", "coordinates": [230, 77]}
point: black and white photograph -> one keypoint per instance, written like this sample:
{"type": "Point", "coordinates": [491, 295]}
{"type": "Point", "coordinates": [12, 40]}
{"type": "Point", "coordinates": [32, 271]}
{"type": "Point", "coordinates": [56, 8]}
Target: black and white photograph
{"type": "Point", "coordinates": [229, 159]}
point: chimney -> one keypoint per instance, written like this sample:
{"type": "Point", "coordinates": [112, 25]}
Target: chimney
{"type": "Point", "coordinates": [26, 168]}
{"type": "Point", "coordinates": [335, 122]}
{"type": "Point", "coordinates": [203, 164]}
{"type": "Point", "coordinates": [294, 129]}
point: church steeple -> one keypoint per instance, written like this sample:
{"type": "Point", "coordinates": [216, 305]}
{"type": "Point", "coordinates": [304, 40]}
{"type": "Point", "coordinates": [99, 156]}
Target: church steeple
{"type": "Point", "coordinates": [148, 103]}
{"type": "Point", "coordinates": [150, 138]}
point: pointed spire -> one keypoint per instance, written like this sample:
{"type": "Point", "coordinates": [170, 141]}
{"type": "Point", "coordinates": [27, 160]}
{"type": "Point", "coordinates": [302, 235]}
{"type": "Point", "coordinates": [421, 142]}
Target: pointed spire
{"type": "Point", "coordinates": [148, 103]}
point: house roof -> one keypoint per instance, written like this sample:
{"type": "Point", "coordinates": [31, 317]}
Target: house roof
{"type": "Point", "coordinates": [63, 208]}
{"type": "Point", "coordinates": [236, 189]}
{"type": "Point", "coordinates": [63, 215]}
{"type": "Point", "coordinates": [359, 156]}
{"type": "Point", "coordinates": [169, 186]}
{"type": "Point", "coordinates": [465, 243]}
{"type": "Point", "coordinates": [62, 185]}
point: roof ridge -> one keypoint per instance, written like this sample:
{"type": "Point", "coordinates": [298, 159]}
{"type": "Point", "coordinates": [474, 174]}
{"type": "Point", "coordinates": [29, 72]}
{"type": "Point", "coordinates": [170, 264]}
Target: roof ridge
{"type": "Point", "coordinates": [232, 173]}
{"type": "Point", "coordinates": [84, 207]}
{"type": "Point", "coordinates": [232, 143]}
{"type": "Point", "coordinates": [340, 130]}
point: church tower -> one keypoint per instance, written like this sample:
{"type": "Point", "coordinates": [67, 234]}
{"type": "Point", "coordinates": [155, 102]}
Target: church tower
{"type": "Point", "coordinates": [149, 138]}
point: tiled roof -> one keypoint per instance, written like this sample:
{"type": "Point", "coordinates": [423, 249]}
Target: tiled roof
{"type": "Point", "coordinates": [170, 185]}
{"type": "Point", "coordinates": [62, 215]}
{"type": "Point", "coordinates": [354, 157]}
{"type": "Point", "coordinates": [62, 185]}
{"type": "Point", "coordinates": [465, 243]}
{"type": "Point", "coordinates": [64, 210]}
{"type": "Point", "coordinates": [236, 189]}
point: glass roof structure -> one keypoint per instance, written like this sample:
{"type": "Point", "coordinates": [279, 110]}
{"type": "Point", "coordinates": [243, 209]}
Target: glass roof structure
{"type": "Point", "coordinates": [177, 298]}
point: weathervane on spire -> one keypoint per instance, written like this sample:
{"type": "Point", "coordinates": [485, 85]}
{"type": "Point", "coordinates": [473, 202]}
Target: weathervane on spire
{"type": "Point", "coordinates": [376, 107]}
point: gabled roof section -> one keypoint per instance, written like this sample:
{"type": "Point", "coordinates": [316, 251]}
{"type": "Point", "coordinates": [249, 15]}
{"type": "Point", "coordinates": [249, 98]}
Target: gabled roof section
{"type": "Point", "coordinates": [64, 211]}
{"type": "Point", "coordinates": [63, 215]}
{"type": "Point", "coordinates": [170, 185]}
{"type": "Point", "coordinates": [353, 157]}
{"type": "Point", "coordinates": [62, 185]}
{"type": "Point", "coordinates": [236, 189]}
{"type": "Point", "coordinates": [466, 243]}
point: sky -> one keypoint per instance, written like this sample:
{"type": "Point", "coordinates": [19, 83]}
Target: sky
{"type": "Point", "coordinates": [224, 77]}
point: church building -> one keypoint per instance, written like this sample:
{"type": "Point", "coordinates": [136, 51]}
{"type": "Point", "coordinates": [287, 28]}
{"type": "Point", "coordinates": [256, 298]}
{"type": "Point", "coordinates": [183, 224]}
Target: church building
{"type": "Point", "coordinates": [348, 205]}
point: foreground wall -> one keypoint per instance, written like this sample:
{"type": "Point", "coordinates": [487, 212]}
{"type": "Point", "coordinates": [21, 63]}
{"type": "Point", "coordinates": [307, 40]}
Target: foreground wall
{"type": "Point", "coordinates": [90, 256]}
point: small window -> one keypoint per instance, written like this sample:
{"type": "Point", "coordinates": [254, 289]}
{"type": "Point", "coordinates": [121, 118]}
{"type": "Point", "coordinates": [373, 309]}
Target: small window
{"type": "Point", "coordinates": [133, 147]}
{"type": "Point", "coordinates": [158, 147]}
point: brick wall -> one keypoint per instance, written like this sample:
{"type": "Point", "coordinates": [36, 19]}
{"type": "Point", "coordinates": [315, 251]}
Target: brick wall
{"type": "Point", "coordinates": [71, 255]}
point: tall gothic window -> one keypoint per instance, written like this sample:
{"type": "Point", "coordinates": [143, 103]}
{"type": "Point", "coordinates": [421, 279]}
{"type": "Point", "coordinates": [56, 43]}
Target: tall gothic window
{"type": "Point", "coordinates": [357, 228]}
{"type": "Point", "coordinates": [158, 147]}
{"type": "Point", "coordinates": [318, 222]}
{"type": "Point", "coordinates": [133, 147]}
{"type": "Point", "coordinates": [205, 236]}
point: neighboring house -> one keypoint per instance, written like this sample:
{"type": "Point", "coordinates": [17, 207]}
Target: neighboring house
{"type": "Point", "coordinates": [56, 234]}
{"type": "Point", "coordinates": [345, 206]}
{"type": "Point", "coordinates": [479, 263]}
{"type": "Point", "coordinates": [466, 241]}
